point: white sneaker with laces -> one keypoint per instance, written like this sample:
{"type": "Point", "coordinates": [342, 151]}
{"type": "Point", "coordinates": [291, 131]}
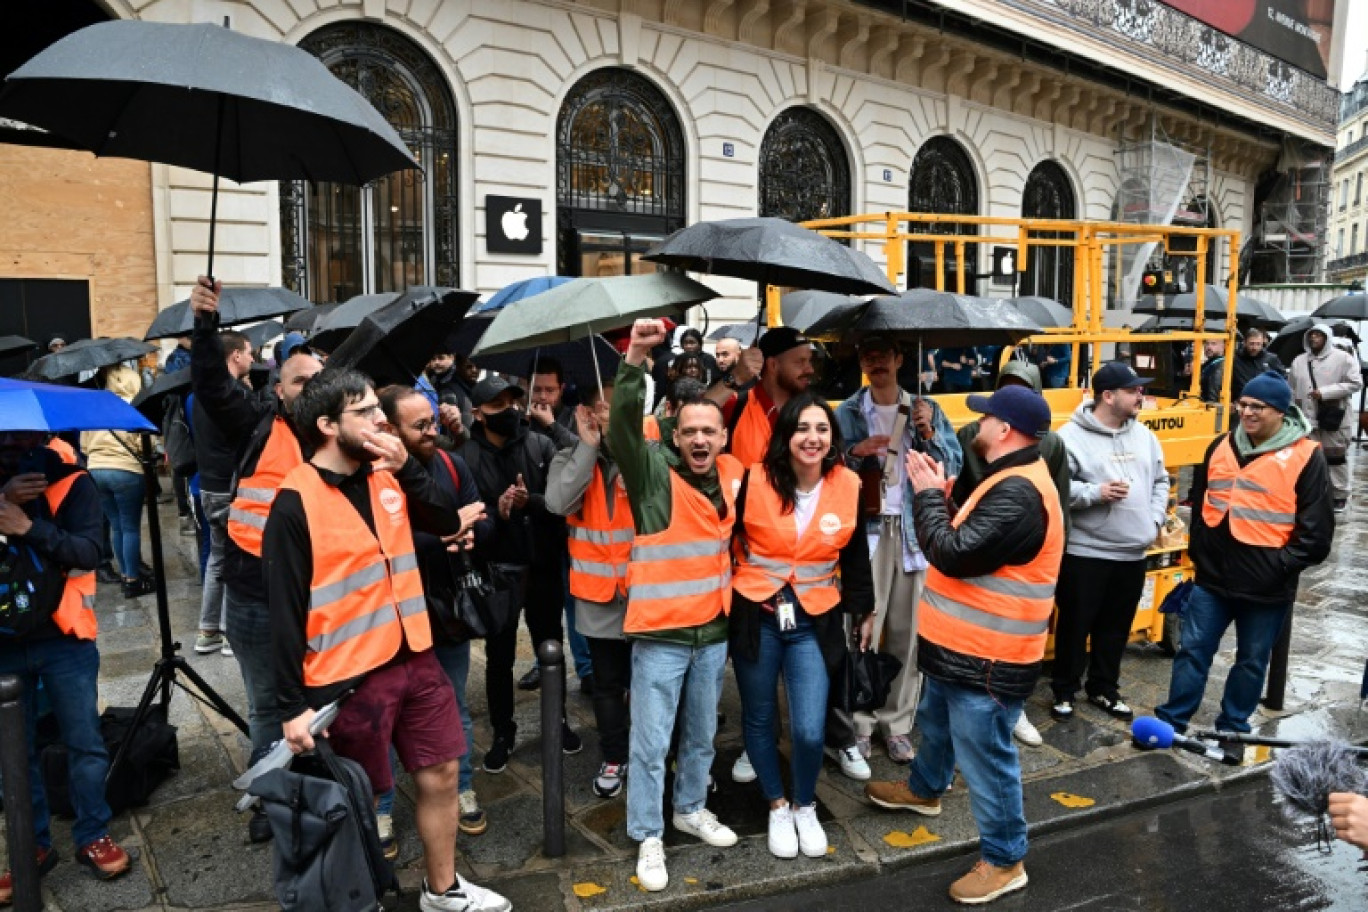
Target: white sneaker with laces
{"type": "Point", "coordinates": [463, 897]}
{"type": "Point", "coordinates": [812, 839]}
{"type": "Point", "coordinates": [651, 873]}
{"type": "Point", "coordinates": [704, 825]}
{"type": "Point", "coordinates": [742, 771]}
{"type": "Point", "coordinates": [852, 763]}
{"type": "Point", "coordinates": [1027, 733]}
{"type": "Point", "coordinates": [783, 838]}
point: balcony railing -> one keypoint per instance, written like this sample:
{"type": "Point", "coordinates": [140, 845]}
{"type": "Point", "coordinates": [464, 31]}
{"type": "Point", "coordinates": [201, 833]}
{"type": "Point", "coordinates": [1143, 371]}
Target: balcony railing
{"type": "Point", "coordinates": [1354, 148]}
{"type": "Point", "coordinates": [1353, 261]}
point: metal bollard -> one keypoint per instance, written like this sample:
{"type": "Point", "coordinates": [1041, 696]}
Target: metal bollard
{"type": "Point", "coordinates": [14, 767]}
{"type": "Point", "coordinates": [552, 658]}
{"type": "Point", "coordinates": [1277, 667]}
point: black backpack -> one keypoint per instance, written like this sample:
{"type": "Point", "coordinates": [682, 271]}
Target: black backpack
{"type": "Point", "coordinates": [152, 756]}
{"type": "Point", "coordinates": [30, 587]}
{"type": "Point", "coordinates": [327, 849]}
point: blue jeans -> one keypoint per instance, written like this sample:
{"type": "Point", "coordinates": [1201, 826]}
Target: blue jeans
{"type": "Point", "coordinates": [455, 661]}
{"type": "Point", "coordinates": [249, 630]}
{"type": "Point", "coordinates": [1205, 620]}
{"type": "Point", "coordinates": [972, 728]}
{"type": "Point", "coordinates": [121, 495]}
{"type": "Point", "coordinates": [798, 656]}
{"type": "Point", "coordinates": [661, 673]}
{"type": "Point", "coordinates": [213, 605]}
{"type": "Point", "coordinates": [68, 668]}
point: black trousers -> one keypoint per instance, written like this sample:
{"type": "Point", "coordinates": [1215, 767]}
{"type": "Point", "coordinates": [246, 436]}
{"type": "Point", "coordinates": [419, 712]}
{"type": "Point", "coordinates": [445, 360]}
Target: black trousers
{"type": "Point", "coordinates": [1097, 599]}
{"type": "Point", "coordinates": [542, 609]}
{"type": "Point", "coordinates": [612, 677]}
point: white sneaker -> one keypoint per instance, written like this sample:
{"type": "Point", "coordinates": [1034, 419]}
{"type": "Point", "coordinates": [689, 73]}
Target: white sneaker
{"type": "Point", "coordinates": [852, 763]}
{"type": "Point", "coordinates": [705, 826]}
{"type": "Point", "coordinates": [463, 897]}
{"type": "Point", "coordinates": [783, 838]}
{"type": "Point", "coordinates": [651, 873]}
{"type": "Point", "coordinates": [811, 837]}
{"type": "Point", "coordinates": [1027, 733]}
{"type": "Point", "coordinates": [227, 649]}
{"type": "Point", "coordinates": [742, 771]}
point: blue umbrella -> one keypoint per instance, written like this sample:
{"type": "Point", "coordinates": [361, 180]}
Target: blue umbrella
{"type": "Point", "coordinates": [29, 406]}
{"type": "Point", "coordinates": [525, 288]}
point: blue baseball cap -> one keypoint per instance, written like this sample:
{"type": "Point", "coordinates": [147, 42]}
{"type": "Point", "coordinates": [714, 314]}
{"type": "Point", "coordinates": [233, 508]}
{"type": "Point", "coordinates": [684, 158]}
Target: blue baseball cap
{"type": "Point", "coordinates": [1023, 409]}
{"type": "Point", "coordinates": [287, 346]}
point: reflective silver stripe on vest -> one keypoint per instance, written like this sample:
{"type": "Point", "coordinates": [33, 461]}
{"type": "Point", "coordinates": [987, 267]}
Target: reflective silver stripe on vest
{"type": "Point", "coordinates": [679, 589]}
{"type": "Point", "coordinates": [1268, 516]}
{"type": "Point", "coordinates": [595, 568]}
{"type": "Point", "coordinates": [354, 628]}
{"type": "Point", "coordinates": [1220, 484]}
{"type": "Point", "coordinates": [412, 606]}
{"type": "Point", "coordinates": [404, 562]}
{"type": "Point", "coordinates": [1246, 484]}
{"type": "Point", "coordinates": [979, 618]}
{"type": "Point", "coordinates": [595, 537]}
{"type": "Point", "coordinates": [326, 595]}
{"type": "Point", "coordinates": [87, 601]}
{"type": "Point", "coordinates": [680, 550]}
{"type": "Point", "coordinates": [1003, 586]}
{"type": "Point", "coordinates": [257, 495]}
{"type": "Point", "coordinates": [247, 519]}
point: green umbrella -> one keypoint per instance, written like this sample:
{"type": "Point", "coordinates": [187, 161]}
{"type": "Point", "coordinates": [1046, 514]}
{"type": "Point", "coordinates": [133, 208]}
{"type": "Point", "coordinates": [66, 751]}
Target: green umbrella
{"type": "Point", "coordinates": [580, 308]}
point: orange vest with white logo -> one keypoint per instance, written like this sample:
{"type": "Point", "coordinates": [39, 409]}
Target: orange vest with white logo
{"type": "Point", "coordinates": [365, 597]}
{"type": "Point", "coordinates": [1261, 497]}
{"type": "Point", "coordinates": [680, 577]}
{"type": "Point", "coordinates": [600, 545]}
{"type": "Point", "coordinates": [772, 554]}
{"type": "Point", "coordinates": [255, 494]}
{"type": "Point", "coordinates": [75, 614]}
{"type": "Point", "coordinates": [750, 438]}
{"type": "Point", "coordinates": [1003, 616]}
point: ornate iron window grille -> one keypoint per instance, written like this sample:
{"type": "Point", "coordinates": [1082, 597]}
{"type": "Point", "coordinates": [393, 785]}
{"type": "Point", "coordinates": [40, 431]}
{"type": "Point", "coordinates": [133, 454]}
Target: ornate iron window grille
{"type": "Point", "coordinates": [804, 173]}
{"type": "Point", "coordinates": [1049, 270]}
{"type": "Point", "coordinates": [942, 181]}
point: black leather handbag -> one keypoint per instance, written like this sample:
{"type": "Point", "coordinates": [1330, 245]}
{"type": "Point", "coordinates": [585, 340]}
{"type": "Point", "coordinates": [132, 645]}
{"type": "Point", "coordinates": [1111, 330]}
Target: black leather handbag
{"type": "Point", "coordinates": [483, 604]}
{"type": "Point", "coordinates": [865, 679]}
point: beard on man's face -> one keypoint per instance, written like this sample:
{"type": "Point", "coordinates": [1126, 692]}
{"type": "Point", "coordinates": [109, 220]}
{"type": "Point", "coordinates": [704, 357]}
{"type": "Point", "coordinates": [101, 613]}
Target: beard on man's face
{"type": "Point", "coordinates": [354, 448]}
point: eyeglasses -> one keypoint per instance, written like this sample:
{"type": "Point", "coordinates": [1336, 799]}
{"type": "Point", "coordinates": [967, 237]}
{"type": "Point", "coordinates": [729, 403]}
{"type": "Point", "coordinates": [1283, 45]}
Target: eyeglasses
{"type": "Point", "coordinates": [422, 427]}
{"type": "Point", "coordinates": [365, 411]}
{"type": "Point", "coordinates": [1251, 407]}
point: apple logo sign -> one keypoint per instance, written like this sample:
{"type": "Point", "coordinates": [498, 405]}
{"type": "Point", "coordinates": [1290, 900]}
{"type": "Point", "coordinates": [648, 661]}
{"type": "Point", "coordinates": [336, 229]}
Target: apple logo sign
{"type": "Point", "coordinates": [514, 224]}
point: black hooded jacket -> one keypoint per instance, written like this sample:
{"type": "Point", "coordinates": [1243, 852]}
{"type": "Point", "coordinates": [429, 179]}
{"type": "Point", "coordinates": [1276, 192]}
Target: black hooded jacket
{"type": "Point", "coordinates": [533, 533]}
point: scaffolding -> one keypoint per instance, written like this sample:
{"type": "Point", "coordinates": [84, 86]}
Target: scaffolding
{"type": "Point", "coordinates": [1290, 239]}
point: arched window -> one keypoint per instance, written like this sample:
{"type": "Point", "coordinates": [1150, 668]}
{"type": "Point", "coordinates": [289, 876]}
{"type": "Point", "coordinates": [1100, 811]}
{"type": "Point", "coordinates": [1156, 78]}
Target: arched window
{"type": "Point", "coordinates": [803, 169]}
{"type": "Point", "coordinates": [619, 174]}
{"type": "Point", "coordinates": [338, 241]}
{"type": "Point", "coordinates": [942, 181]}
{"type": "Point", "coordinates": [1049, 270]}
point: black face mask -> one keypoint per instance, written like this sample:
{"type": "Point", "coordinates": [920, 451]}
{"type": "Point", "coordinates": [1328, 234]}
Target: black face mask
{"type": "Point", "coordinates": [504, 423]}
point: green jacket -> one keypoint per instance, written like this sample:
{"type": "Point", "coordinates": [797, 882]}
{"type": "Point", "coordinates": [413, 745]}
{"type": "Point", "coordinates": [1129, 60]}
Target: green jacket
{"type": "Point", "coordinates": [646, 471]}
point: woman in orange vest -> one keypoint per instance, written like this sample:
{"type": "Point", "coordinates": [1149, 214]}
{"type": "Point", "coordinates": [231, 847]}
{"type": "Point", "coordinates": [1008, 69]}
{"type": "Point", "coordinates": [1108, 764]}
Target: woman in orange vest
{"type": "Point", "coordinates": [799, 555]}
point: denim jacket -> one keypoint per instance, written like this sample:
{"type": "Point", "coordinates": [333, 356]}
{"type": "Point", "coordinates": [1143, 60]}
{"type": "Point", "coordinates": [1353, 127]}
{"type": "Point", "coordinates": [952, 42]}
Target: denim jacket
{"type": "Point", "coordinates": [853, 418]}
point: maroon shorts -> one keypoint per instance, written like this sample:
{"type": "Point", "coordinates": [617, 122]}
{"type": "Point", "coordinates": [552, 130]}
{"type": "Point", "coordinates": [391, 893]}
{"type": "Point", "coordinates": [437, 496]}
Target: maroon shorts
{"type": "Point", "coordinates": [410, 705]}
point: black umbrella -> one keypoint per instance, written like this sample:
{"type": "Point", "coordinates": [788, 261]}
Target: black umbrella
{"type": "Point", "coordinates": [395, 343]}
{"type": "Point", "coordinates": [262, 333]}
{"type": "Point", "coordinates": [1291, 341]}
{"type": "Point", "coordinates": [934, 318]}
{"type": "Point", "coordinates": [236, 306]}
{"type": "Point", "coordinates": [1178, 324]}
{"type": "Point", "coordinates": [1249, 311]}
{"type": "Point", "coordinates": [466, 337]}
{"type": "Point", "coordinates": [1040, 310]}
{"type": "Point", "coordinates": [741, 332]}
{"type": "Point", "coordinates": [583, 365]}
{"type": "Point", "coordinates": [801, 309]}
{"type": "Point", "coordinates": [207, 98]}
{"type": "Point", "coordinates": [10, 344]}
{"type": "Point", "coordinates": [86, 355]}
{"type": "Point", "coordinates": [1346, 307]}
{"type": "Point", "coordinates": [306, 321]}
{"type": "Point", "coordinates": [333, 328]}
{"type": "Point", "coordinates": [773, 252]}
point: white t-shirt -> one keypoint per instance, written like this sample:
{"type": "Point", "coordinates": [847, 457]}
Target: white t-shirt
{"type": "Point", "coordinates": [892, 498]}
{"type": "Point", "coordinates": [804, 506]}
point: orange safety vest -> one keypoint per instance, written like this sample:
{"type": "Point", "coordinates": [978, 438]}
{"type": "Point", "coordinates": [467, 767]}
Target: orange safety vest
{"type": "Point", "coordinates": [600, 544]}
{"type": "Point", "coordinates": [772, 555]}
{"type": "Point", "coordinates": [63, 449]}
{"type": "Point", "coordinates": [1261, 497]}
{"type": "Point", "coordinates": [75, 614]}
{"type": "Point", "coordinates": [365, 597]}
{"type": "Point", "coordinates": [1003, 616]}
{"type": "Point", "coordinates": [650, 428]}
{"type": "Point", "coordinates": [680, 577]}
{"type": "Point", "coordinates": [750, 437]}
{"type": "Point", "coordinates": [255, 494]}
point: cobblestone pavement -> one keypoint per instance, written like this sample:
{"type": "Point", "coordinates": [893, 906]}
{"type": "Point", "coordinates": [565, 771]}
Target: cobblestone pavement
{"type": "Point", "coordinates": [192, 851]}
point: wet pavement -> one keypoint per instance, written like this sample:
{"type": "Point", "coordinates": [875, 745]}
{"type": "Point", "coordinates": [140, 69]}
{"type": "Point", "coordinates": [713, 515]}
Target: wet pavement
{"type": "Point", "coordinates": [193, 854]}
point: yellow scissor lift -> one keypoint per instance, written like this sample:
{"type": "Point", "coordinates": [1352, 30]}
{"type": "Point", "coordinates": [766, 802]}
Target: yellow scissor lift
{"type": "Point", "coordinates": [1184, 424]}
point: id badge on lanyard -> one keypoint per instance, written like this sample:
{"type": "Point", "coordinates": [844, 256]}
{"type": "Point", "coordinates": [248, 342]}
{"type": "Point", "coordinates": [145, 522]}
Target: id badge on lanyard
{"type": "Point", "coordinates": [784, 612]}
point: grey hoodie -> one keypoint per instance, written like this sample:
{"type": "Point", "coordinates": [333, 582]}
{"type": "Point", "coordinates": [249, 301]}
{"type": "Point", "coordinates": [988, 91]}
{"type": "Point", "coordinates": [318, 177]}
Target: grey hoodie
{"type": "Point", "coordinates": [1122, 530]}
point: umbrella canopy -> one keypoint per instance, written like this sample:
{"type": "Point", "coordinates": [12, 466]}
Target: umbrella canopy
{"type": "Point", "coordinates": [395, 343]}
{"type": "Point", "coordinates": [741, 332]}
{"type": "Point", "coordinates": [934, 318]}
{"type": "Point", "coordinates": [306, 321]}
{"type": "Point", "coordinates": [584, 365]}
{"type": "Point", "coordinates": [333, 328]}
{"type": "Point", "coordinates": [236, 306]}
{"type": "Point", "coordinates": [584, 306]}
{"type": "Point", "coordinates": [29, 406]}
{"type": "Point", "coordinates": [801, 309]}
{"type": "Point", "coordinates": [1178, 323]}
{"type": "Point", "coordinates": [525, 288]}
{"type": "Point", "coordinates": [1044, 311]}
{"type": "Point", "coordinates": [1346, 307]}
{"type": "Point", "coordinates": [1249, 311]}
{"type": "Point", "coordinates": [262, 333]}
{"type": "Point", "coordinates": [86, 355]}
{"type": "Point", "coordinates": [9, 344]}
{"type": "Point", "coordinates": [771, 251]}
{"type": "Point", "coordinates": [1291, 339]}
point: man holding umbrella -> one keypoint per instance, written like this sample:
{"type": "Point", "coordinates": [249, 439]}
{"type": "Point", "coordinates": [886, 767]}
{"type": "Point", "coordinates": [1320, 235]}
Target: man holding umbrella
{"type": "Point", "coordinates": [53, 508]}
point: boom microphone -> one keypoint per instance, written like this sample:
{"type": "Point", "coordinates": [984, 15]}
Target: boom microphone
{"type": "Point", "coordinates": [1151, 732]}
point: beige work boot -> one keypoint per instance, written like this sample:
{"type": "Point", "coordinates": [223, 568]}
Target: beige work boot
{"type": "Point", "coordinates": [987, 882]}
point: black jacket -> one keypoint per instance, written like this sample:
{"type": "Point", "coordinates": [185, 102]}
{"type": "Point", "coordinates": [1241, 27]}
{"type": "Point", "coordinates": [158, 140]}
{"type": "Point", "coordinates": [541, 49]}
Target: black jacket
{"type": "Point", "coordinates": [225, 410]}
{"type": "Point", "coordinates": [1247, 368]}
{"type": "Point", "coordinates": [530, 535]}
{"type": "Point", "coordinates": [1006, 528]}
{"type": "Point", "coordinates": [436, 564]}
{"type": "Point", "coordinates": [1267, 575]}
{"type": "Point", "coordinates": [1212, 372]}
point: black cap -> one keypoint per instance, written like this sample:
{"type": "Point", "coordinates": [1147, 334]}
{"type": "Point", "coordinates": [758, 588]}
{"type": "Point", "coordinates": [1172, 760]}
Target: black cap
{"type": "Point", "coordinates": [876, 343]}
{"type": "Point", "coordinates": [781, 339]}
{"type": "Point", "coordinates": [1115, 375]}
{"type": "Point", "coordinates": [491, 387]}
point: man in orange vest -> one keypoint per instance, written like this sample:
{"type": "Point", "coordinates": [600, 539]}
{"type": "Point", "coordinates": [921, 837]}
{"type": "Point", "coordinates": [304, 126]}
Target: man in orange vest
{"type": "Point", "coordinates": [349, 615]}
{"type": "Point", "coordinates": [783, 362]}
{"type": "Point", "coordinates": [52, 509]}
{"type": "Point", "coordinates": [678, 594]}
{"type": "Point", "coordinates": [1262, 512]}
{"type": "Point", "coordinates": [984, 618]}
